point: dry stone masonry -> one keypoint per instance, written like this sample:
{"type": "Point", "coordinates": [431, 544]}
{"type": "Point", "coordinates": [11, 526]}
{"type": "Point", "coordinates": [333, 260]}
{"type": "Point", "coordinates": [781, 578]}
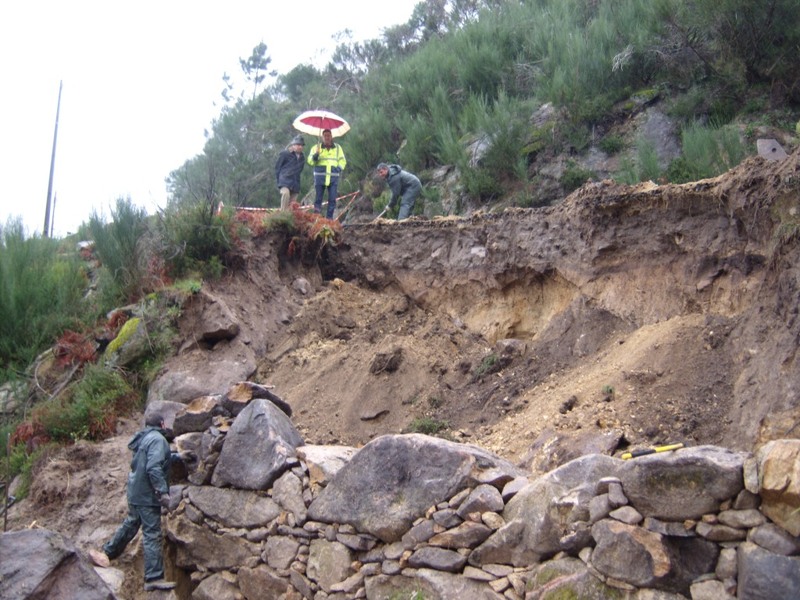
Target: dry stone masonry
{"type": "Point", "coordinates": [262, 515]}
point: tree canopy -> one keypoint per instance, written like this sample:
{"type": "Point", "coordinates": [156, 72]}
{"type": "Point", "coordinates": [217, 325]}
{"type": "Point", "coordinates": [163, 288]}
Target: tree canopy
{"type": "Point", "coordinates": [461, 70]}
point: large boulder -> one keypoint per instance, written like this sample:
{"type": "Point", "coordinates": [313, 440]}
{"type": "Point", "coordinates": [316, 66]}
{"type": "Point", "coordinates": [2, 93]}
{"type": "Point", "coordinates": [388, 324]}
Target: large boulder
{"type": "Point", "coordinates": [763, 574]}
{"type": "Point", "coordinates": [201, 371]}
{"type": "Point", "coordinates": [200, 546]}
{"type": "Point", "coordinates": [131, 344]}
{"type": "Point", "coordinates": [569, 577]}
{"type": "Point", "coordinates": [233, 508]}
{"type": "Point", "coordinates": [685, 484]}
{"type": "Point", "coordinates": [197, 415]}
{"type": "Point", "coordinates": [323, 462]}
{"type": "Point", "coordinates": [545, 512]}
{"type": "Point", "coordinates": [394, 479]}
{"type": "Point", "coordinates": [259, 447]}
{"type": "Point", "coordinates": [216, 321]}
{"type": "Point", "coordinates": [39, 563]}
{"type": "Point", "coordinates": [647, 559]}
{"type": "Point", "coordinates": [779, 481]}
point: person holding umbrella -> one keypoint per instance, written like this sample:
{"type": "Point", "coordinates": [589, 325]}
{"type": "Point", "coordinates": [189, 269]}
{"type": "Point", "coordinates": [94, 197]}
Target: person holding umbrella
{"type": "Point", "coordinates": [328, 161]}
{"type": "Point", "coordinates": [288, 168]}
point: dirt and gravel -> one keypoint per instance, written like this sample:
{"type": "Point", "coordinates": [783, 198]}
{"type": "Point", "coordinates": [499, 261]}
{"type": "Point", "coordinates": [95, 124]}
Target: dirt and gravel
{"type": "Point", "coordinates": [647, 315]}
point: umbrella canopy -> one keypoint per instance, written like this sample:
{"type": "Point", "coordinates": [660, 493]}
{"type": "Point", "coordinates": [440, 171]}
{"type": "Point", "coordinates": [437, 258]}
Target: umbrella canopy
{"type": "Point", "coordinates": [313, 122]}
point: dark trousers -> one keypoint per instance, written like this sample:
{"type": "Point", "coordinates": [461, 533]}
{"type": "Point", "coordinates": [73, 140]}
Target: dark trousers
{"type": "Point", "coordinates": [149, 519]}
{"type": "Point", "coordinates": [407, 201]}
{"type": "Point", "coordinates": [332, 189]}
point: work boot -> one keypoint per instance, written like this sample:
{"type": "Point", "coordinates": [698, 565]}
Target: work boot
{"type": "Point", "coordinates": [99, 558]}
{"type": "Point", "coordinates": [158, 584]}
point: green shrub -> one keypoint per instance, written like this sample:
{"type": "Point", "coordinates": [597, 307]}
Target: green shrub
{"type": "Point", "coordinates": [755, 106]}
{"type": "Point", "coordinates": [647, 161]}
{"type": "Point", "coordinates": [488, 365]}
{"type": "Point", "coordinates": [118, 244]}
{"type": "Point", "coordinates": [691, 105]}
{"type": "Point", "coordinates": [643, 166]}
{"type": "Point", "coordinates": [723, 110]}
{"type": "Point", "coordinates": [21, 463]}
{"type": "Point", "coordinates": [6, 429]}
{"type": "Point", "coordinates": [575, 176]}
{"type": "Point", "coordinates": [681, 170]}
{"type": "Point", "coordinates": [41, 295]}
{"type": "Point", "coordinates": [193, 235]}
{"type": "Point", "coordinates": [89, 409]}
{"type": "Point", "coordinates": [500, 124]}
{"type": "Point", "coordinates": [431, 203]}
{"type": "Point", "coordinates": [481, 183]}
{"type": "Point", "coordinates": [449, 149]}
{"type": "Point", "coordinates": [213, 268]}
{"type": "Point", "coordinates": [427, 425]}
{"type": "Point", "coordinates": [188, 285]}
{"type": "Point", "coordinates": [282, 220]}
{"type": "Point", "coordinates": [611, 144]}
{"type": "Point", "coordinates": [707, 152]}
{"type": "Point", "coordinates": [627, 173]}
{"type": "Point", "coordinates": [574, 136]}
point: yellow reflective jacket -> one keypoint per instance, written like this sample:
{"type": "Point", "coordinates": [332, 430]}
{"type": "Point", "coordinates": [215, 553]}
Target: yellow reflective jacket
{"type": "Point", "coordinates": [330, 163]}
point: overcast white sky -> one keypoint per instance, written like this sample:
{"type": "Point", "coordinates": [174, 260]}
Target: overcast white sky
{"type": "Point", "coordinates": [140, 80]}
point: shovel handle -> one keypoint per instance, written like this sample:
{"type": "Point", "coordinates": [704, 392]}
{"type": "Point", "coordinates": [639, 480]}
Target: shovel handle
{"type": "Point", "coordinates": [654, 450]}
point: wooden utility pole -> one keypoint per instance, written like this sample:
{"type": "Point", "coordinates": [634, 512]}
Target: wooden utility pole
{"type": "Point", "coordinates": [47, 228]}
{"type": "Point", "coordinates": [53, 214]}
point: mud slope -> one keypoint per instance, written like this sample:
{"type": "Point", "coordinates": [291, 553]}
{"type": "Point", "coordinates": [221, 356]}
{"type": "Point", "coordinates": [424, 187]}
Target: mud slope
{"type": "Point", "coordinates": [633, 315]}
{"type": "Point", "coordinates": [664, 313]}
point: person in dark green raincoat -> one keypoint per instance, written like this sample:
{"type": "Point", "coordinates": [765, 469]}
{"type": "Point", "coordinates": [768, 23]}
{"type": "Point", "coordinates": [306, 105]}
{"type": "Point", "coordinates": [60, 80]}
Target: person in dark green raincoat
{"type": "Point", "coordinates": [405, 187]}
{"type": "Point", "coordinates": [148, 492]}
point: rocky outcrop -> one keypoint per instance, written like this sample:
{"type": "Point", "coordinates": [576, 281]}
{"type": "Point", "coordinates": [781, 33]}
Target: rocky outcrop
{"type": "Point", "coordinates": [395, 499]}
{"type": "Point", "coordinates": [413, 513]}
{"type": "Point", "coordinates": [222, 337]}
{"type": "Point", "coordinates": [37, 563]}
{"type": "Point", "coordinates": [258, 447]}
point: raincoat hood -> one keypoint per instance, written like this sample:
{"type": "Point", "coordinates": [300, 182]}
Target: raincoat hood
{"type": "Point", "coordinates": [133, 445]}
{"type": "Point", "coordinates": [394, 170]}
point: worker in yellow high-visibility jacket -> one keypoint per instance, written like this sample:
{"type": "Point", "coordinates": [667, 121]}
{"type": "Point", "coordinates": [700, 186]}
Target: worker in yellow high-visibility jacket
{"type": "Point", "coordinates": [328, 161]}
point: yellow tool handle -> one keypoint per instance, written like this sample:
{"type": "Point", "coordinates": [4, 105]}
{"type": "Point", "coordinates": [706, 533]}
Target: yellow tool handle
{"type": "Point", "coordinates": [653, 450]}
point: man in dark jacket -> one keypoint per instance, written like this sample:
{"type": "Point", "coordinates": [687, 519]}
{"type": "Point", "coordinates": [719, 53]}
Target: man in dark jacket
{"type": "Point", "coordinates": [148, 491]}
{"type": "Point", "coordinates": [404, 185]}
{"type": "Point", "coordinates": [288, 169]}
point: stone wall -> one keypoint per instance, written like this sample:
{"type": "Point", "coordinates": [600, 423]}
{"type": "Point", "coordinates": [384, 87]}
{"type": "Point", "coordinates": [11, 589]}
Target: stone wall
{"type": "Point", "coordinates": [414, 514]}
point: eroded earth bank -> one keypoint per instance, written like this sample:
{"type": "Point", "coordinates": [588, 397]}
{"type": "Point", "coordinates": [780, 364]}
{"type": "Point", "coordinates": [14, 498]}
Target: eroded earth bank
{"type": "Point", "coordinates": [620, 318]}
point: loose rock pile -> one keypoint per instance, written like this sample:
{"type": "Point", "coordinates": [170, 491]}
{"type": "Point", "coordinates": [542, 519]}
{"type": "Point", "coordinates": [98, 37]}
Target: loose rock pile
{"type": "Point", "coordinates": [265, 516]}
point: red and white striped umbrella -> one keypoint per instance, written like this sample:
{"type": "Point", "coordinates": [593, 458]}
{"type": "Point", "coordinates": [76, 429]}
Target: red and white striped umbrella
{"type": "Point", "coordinates": [314, 122]}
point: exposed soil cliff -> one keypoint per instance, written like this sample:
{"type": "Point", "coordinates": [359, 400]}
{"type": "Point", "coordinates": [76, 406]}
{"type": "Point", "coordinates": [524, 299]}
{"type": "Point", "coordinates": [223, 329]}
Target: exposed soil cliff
{"type": "Point", "coordinates": [666, 313]}
{"type": "Point", "coordinates": [639, 315]}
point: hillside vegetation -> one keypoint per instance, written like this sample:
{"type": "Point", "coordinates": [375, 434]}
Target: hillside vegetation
{"type": "Point", "coordinates": [459, 84]}
{"type": "Point", "coordinates": [490, 91]}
